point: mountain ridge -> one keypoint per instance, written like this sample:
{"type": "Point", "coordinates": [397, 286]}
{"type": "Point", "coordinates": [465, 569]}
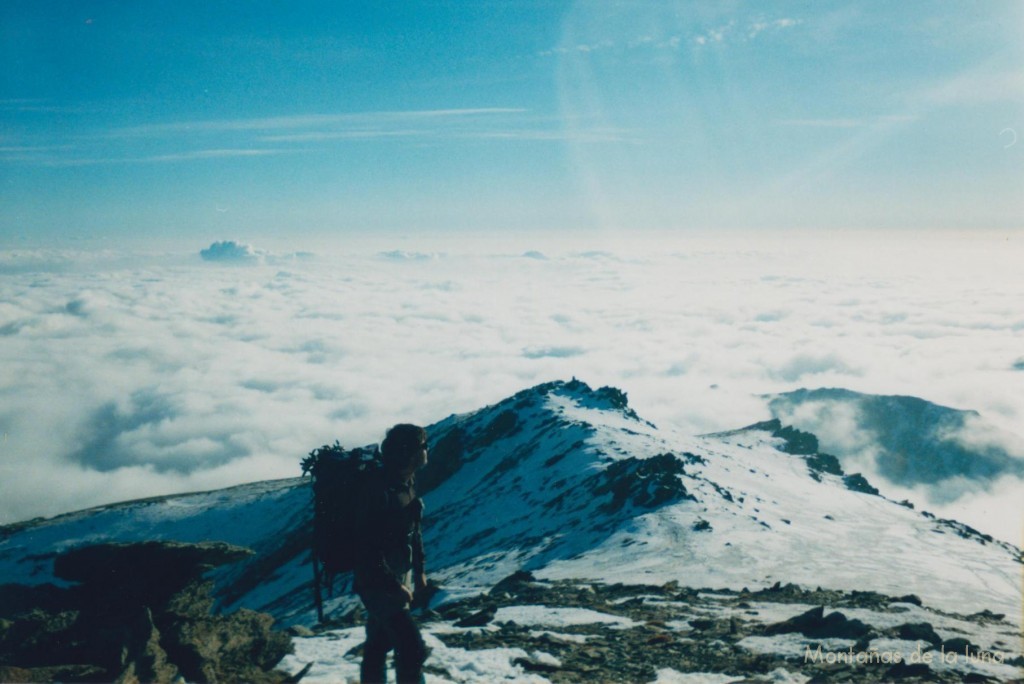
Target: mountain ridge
{"type": "Point", "coordinates": [566, 481]}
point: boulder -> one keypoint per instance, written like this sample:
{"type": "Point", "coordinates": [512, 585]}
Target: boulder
{"type": "Point", "coordinates": [146, 573]}
{"type": "Point", "coordinates": [514, 583]}
{"type": "Point", "coordinates": [960, 645]}
{"type": "Point", "coordinates": [918, 631]}
{"type": "Point", "coordinates": [228, 648]}
{"type": "Point", "coordinates": [814, 623]}
{"type": "Point", "coordinates": [478, 619]}
{"type": "Point", "coordinates": [140, 613]}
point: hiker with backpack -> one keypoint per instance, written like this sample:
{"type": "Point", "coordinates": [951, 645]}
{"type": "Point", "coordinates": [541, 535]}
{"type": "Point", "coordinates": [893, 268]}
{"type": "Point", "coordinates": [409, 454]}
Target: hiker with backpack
{"type": "Point", "coordinates": [366, 520]}
{"type": "Point", "coordinates": [389, 559]}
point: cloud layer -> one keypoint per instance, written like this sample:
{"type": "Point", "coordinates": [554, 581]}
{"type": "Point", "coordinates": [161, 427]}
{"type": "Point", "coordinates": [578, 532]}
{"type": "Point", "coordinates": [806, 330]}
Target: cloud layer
{"type": "Point", "coordinates": [133, 380]}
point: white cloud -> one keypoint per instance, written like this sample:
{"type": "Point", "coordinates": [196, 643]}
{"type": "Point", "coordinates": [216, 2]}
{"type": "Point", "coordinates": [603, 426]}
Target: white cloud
{"type": "Point", "coordinates": [306, 121]}
{"type": "Point", "coordinates": [122, 370]}
{"type": "Point", "coordinates": [802, 365]}
{"type": "Point", "coordinates": [553, 352]}
{"type": "Point", "coordinates": [71, 158]}
{"type": "Point", "coordinates": [978, 434]}
{"type": "Point", "coordinates": [404, 255]}
{"type": "Point", "coordinates": [731, 31]}
{"type": "Point", "coordinates": [760, 26]}
{"type": "Point", "coordinates": [198, 140]}
{"type": "Point", "coordinates": [714, 35]}
{"type": "Point", "coordinates": [219, 153]}
{"type": "Point", "coordinates": [231, 252]}
{"type": "Point", "coordinates": [320, 136]}
{"type": "Point", "coordinates": [751, 30]}
{"type": "Point", "coordinates": [838, 426]}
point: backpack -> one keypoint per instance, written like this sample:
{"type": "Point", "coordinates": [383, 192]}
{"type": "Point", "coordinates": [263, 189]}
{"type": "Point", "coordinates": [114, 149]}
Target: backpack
{"type": "Point", "coordinates": [338, 475]}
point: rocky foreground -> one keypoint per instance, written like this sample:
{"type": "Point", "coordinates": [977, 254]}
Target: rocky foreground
{"type": "Point", "coordinates": [138, 613]}
{"type": "Point", "coordinates": [142, 613]}
{"type": "Point", "coordinates": [567, 631]}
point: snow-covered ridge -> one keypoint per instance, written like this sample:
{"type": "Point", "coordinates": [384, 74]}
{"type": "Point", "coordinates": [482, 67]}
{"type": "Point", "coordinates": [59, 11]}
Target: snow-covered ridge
{"type": "Point", "coordinates": [568, 482]}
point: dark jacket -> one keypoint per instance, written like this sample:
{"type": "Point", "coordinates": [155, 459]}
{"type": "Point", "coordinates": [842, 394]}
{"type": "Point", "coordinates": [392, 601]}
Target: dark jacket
{"type": "Point", "coordinates": [391, 543]}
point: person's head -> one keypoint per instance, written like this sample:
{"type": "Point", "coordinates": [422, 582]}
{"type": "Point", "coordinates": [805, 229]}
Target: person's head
{"type": "Point", "coordinates": [404, 448]}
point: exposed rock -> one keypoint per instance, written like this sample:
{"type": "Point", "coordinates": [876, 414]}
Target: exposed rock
{"type": "Point", "coordinates": [823, 463]}
{"type": "Point", "coordinates": [140, 614]}
{"type": "Point", "coordinates": [144, 573]}
{"type": "Point", "coordinates": [478, 619]}
{"type": "Point", "coordinates": [857, 483]}
{"type": "Point", "coordinates": [536, 666]}
{"type": "Point", "coordinates": [902, 670]}
{"type": "Point", "coordinates": [959, 645]}
{"type": "Point", "coordinates": [195, 599]}
{"type": "Point", "coordinates": [648, 483]}
{"type": "Point", "coordinates": [236, 647]}
{"type": "Point", "coordinates": [616, 399]}
{"type": "Point", "coordinates": [918, 631]}
{"type": "Point", "coordinates": [814, 623]}
{"type": "Point", "coordinates": [986, 616]}
{"type": "Point", "coordinates": [177, 562]}
{"type": "Point", "coordinates": [142, 657]}
{"type": "Point", "coordinates": [514, 583]}
{"type": "Point", "coordinates": [58, 673]}
{"type": "Point", "coordinates": [795, 442]}
{"type": "Point", "coordinates": [718, 622]}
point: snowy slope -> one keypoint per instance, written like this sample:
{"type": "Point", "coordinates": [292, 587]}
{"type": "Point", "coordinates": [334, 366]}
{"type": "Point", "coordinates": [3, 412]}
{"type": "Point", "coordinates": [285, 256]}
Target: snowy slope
{"type": "Point", "coordinates": [567, 482]}
{"type": "Point", "coordinates": [268, 517]}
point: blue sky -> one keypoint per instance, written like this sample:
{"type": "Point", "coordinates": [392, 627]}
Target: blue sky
{"type": "Point", "coordinates": [212, 120]}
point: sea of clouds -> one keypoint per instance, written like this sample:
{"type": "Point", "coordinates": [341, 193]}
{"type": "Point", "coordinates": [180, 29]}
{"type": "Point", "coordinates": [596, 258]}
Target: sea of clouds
{"type": "Point", "coordinates": [133, 374]}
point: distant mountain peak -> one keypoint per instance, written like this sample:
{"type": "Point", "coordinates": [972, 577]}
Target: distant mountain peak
{"type": "Point", "coordinates": [911, 441]}
{"type": "Point", "coordinates": [908, 403]}
{"type": "Point", "coordinates": [604, 398]}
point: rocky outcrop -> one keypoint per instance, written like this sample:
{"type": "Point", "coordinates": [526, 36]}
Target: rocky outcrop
{"type": "Point", "coordinates": [139, 613]}
{"type": "Point", "coordinates": [814, 623]}
{"type": "Point", "coordinates": [645, 483]}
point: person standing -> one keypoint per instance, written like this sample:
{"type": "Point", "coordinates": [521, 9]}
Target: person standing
{"type": "Point", "coordinates": [390, 562]}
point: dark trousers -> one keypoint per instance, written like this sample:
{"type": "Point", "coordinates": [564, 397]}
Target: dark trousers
{"type": "Point", "coordinates": [394, 630]}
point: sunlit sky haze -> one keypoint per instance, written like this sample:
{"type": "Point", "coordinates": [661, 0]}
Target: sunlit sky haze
{"type": "Point", "coordinates": [208, 120]}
